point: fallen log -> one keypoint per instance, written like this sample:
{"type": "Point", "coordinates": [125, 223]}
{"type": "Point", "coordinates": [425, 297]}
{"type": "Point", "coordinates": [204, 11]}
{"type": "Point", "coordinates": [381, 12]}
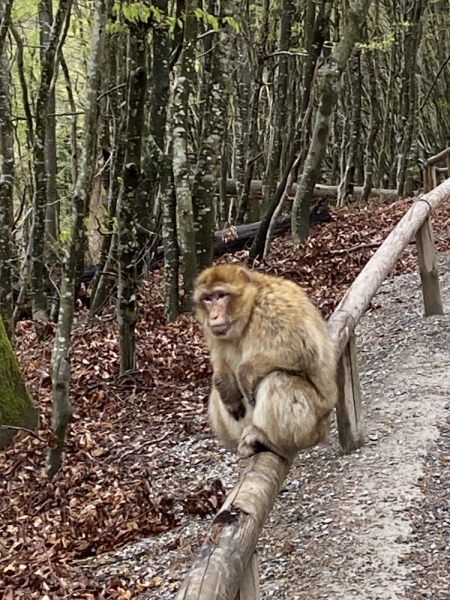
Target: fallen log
{"type": "Point", "coordinates": [242, 236]}
{"type": "Point", "coordinates": [320, 191]}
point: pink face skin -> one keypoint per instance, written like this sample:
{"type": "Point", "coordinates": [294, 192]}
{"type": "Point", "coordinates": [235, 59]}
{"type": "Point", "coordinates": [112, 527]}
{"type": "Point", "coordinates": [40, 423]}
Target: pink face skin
{"type": "Point", "coordinates": [216, 303]}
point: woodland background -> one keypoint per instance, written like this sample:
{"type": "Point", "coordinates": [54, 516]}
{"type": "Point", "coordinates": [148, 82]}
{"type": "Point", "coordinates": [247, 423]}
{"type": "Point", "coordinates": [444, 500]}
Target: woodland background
{"type": "Point", "coordinates": [135, 130]}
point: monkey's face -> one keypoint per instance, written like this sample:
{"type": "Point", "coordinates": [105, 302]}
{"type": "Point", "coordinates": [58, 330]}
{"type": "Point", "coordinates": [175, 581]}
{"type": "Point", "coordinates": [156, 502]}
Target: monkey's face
{"type": "Point", "coordinates": [215, 303]}
{"type": "Point", "coordinates": [224, 296]}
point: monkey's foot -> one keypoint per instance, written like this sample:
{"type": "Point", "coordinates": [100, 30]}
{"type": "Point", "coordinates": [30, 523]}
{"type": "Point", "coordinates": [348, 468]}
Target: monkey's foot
{"type": "Point", "coordinates": [250, 444]}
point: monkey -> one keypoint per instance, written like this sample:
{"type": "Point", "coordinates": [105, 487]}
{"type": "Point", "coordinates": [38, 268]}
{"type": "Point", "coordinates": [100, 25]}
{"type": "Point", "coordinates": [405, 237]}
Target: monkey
{"type": "Point", "coordinates": [273, 361]}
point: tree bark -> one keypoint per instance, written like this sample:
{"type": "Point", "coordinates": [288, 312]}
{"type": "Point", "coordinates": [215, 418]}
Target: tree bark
{"type": "Point", "coordinates": [128, 249]}
{"type": "Point", "coordinates": [52, 207]}
{"type": "Point", "coordinates": [37, 241]}
{"type": "Point", "coordinates": [103, 282]}
{"type": "Point", "coordinates": [16, 405]}
{"type": "Point", "coordinates": [213, 128]}
{"type": "Point", "coordinates": [280, 106]}
{"type": "Point", "coordinates": [6, 197]}
{"type": "Point", "coordinates": [332, 73]}
{"type": "Point", "coordinates": [185, 74]}
{"type": "Point", "coordinates": [60, 361]}
{"type": "Point", "coordinates": [153, 157]}
{"type": "Point", "coordinates": [346, 185]}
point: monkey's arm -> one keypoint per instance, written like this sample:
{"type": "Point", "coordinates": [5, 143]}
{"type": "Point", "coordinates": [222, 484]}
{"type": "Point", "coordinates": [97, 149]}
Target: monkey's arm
{"type": "Point", "coordinates": [227, 386]}
{"type": "Point", "coordinates": [253, 371]}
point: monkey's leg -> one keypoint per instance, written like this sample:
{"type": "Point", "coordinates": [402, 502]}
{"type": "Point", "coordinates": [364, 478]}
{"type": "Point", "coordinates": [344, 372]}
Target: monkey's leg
{"type": "Point", "coordinates": [225, 383]}
{"type": "Point", "coordinates": [224, 425]}
{"type": "Point", "coordinates": [284, 419]}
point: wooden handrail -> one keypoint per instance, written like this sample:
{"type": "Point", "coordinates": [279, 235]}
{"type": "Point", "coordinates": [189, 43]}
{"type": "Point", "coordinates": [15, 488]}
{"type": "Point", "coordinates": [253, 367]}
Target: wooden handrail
{"type": "Point", "coordinates": [438, 157]}
{"type": "Point", "coordinates": [355, 302]}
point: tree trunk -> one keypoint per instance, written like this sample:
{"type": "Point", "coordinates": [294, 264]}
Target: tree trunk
{"type": "Point", "coordinates": [103, 282]}
{"type": "Point", "coordinates": [328, 96]}
{"type": "Point", "coordinates": [170, 243]}
{"type": "Point", "coordinates": [153, 158]}
{"type": "Point", "coordinates": [374, 127]}
{"type": "Point", "coordinates": [185, 74]}
{"type": "Point", "coordinates": [348, 181]}
{"type": "Point", "coordinates": [60, 362]}
{"type": "Point", "coordinates": [128, 249]}
{"type": "Point", "coordinates": [280, 106]}
{"type": "Point", "coordinates": [406, 118]}
{"type": "Point", "coordinates": [213, 127]}
{"type": "Point", "coordinates": [16, 405]}
{"type": "Point", "coordinates": [51, 210]}
{"type": "Point", "coordinates": [243, 204]}
{"type": "Point", "coordinates": [6, 196]}
{"type": "Point", "coordinates": [37, 241]}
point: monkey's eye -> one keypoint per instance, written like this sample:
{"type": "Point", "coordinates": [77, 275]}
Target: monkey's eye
{"type": "Point", "coordinates": [221, 295]}
{"type": "Point", "coordinates": [207, 299]}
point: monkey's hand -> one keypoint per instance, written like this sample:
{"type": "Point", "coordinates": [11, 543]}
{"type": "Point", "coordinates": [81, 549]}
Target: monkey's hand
{"type": "Point", "coordinates": [248, 379]}
{"type": "Point", "coordinates": [229, 392]}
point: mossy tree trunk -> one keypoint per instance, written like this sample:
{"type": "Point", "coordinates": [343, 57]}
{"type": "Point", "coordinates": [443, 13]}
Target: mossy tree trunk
{"type": "Point", "coordinates": [16, 406]}
{"type": "Point", "coordinates": [6, 195]}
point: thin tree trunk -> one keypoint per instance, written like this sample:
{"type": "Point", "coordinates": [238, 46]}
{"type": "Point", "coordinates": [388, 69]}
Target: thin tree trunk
{"type": "Point", "coordinates": [169, 235]}
{"type": "Point", "coordinates": [280, 106]}
{"type": "Point", "coordinates": [103, 282]}
{"type": "Point", "coordinates": [128, 249]}
{"type": "Point", "coordinates": [51, 210]}
{"type": "Point", "coordinates": [5, 14]}
{"type": "Point", "coordinates": [405, 123]}
{"type": "Point", "coordinates": [185, 74]}
{"type": "Point", "coordinates": [261, 243]}
{"type": "Point", "coordinates": [348, 180]}
{"type": "Point", "coordinates": [37, 241]}
{"type": "Point", "coordinates": [374, 127]}
{"type": "Point", "coordinates": [213, 128]}
{"type": "Point", "coordinates": [60, 362]}
{"type": "Point", "coordinates": [328, 96]}
{"type": "Point", "coordinates": [6, 196]}
{"type": "Point", "coordinates": [243, 201]}
{"type": "Point", "coordinates": [152, 161]}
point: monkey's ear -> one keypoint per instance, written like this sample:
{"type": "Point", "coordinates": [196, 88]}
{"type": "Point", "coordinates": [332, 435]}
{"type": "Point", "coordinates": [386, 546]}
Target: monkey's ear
{"type": "Point", "coordinates": [245, 275]}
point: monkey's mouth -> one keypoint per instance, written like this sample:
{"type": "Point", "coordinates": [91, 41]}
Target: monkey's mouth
{"type": "Point", "coordinates": [220, 330]}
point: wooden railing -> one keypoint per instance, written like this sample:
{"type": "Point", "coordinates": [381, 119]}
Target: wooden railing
{"type": "Point", "coordinates": [432, 174]}
{"type": "Point", "coordinates": [227, 567]}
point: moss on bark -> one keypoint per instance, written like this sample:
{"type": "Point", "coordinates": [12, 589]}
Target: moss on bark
{"type": "Point", "coordinates": [16, 405]}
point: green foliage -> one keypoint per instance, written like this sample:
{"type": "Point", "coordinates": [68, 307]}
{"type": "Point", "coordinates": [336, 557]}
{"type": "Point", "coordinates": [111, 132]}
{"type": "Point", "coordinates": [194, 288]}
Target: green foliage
{"type": "Point", "coordinates": [234, 24]}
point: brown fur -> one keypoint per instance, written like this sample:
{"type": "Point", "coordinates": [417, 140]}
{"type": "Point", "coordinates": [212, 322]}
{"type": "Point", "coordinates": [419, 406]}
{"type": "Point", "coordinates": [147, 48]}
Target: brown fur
{"type": "Point", "coordinates": [274, 382]}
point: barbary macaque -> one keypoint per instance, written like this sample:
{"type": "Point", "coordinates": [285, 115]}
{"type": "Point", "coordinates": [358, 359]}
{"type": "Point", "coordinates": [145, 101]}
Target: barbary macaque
{"type": "Point", "coordinates": [273, 361]}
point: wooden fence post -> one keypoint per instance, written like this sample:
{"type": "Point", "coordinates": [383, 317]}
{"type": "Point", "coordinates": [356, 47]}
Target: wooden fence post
{"type": "Point", "coordinates": [249, 588]}
{"type": "Point", "coordinates": [426, 252]}
{"type": "Point", "coordinates": [348, 409]}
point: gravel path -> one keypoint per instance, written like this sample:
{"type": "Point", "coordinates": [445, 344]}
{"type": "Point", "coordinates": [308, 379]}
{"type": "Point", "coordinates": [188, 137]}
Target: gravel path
{"type": "Point", "coordinates": [374, 525]}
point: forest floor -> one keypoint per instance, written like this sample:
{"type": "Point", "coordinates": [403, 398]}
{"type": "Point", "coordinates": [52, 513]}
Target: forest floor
{"type": "Point", "coordinates": [143, 475]}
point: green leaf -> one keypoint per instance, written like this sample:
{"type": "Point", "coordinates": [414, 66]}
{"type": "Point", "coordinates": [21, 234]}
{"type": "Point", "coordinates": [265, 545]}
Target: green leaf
{"type": "Point", "coordinates": [211, 19]}
{"type": "Point", "coordinates": [234, 24]}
